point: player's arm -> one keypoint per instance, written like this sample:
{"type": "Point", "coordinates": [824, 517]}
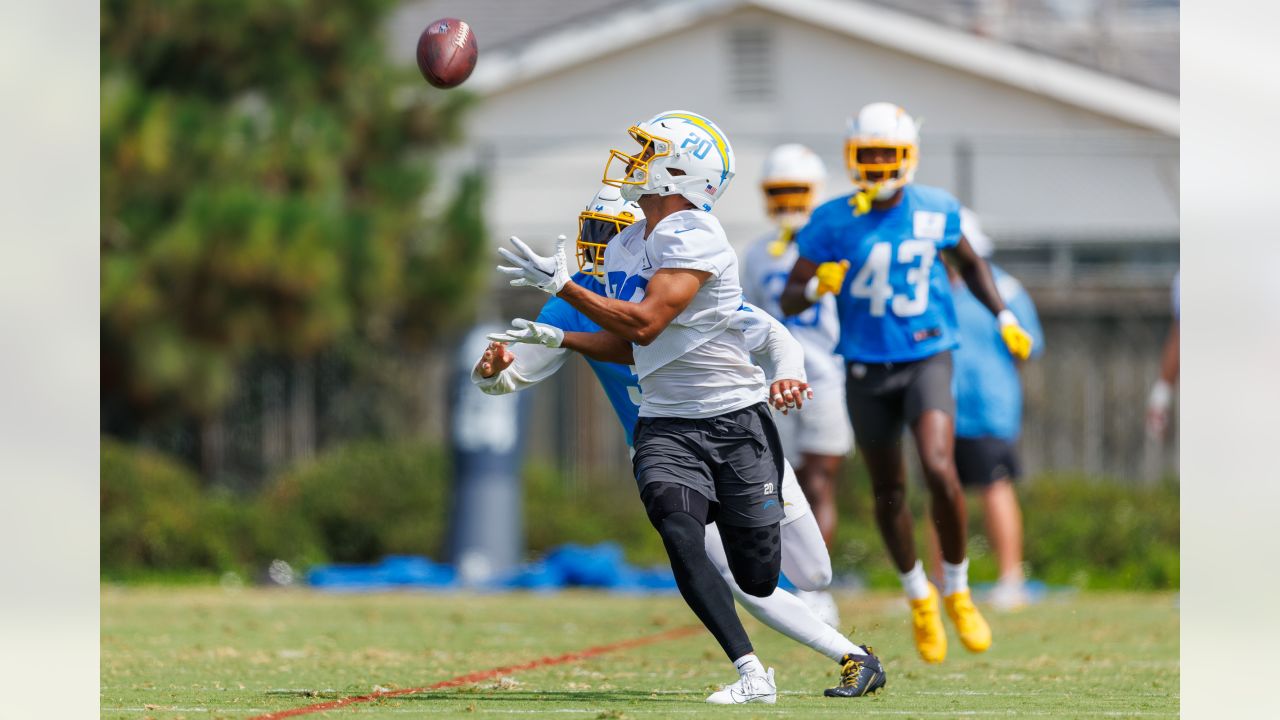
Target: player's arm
{"type": "Point", "coordinates": [793, 300]}
{"type": "Point", "coordinates": [776, 350]}
{"type": "Point", "coordinates": [668, 293]}
{"type": "Point", "coordinates": [602, 346]}
{"type": "Point", "coordinates": [976, 273]}
{"type": "Point", "coordinates": [598, 345]}
{"type": "Point", "coordinates": [818, 271]}
{"type": "Point", "coordinates": [809, 281]}
{"type": "Point", "coordinates": [977, 276]}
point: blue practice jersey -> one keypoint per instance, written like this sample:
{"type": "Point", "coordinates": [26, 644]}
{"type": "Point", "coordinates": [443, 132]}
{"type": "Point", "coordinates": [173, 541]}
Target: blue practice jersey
{"type": "Point", "coordinates": [620, 384]}
{"type": "Point", "coordinates": [988, 389]}
{"type": "Point", "coordinates": [895, 304]}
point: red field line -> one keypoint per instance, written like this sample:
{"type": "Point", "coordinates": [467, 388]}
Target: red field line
{"type": "Point", "coordinates": [486, 674]}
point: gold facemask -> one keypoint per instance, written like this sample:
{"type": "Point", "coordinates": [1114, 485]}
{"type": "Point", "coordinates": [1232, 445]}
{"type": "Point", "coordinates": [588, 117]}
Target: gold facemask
{"type": "Point", "coordinates": [893, 174]}
{"type": "Point", "coordinates": [634, 169]}
{"type": "Point", "coordinates": [595, 229]}
{"type": "Point", "coordinates": [787, 198]}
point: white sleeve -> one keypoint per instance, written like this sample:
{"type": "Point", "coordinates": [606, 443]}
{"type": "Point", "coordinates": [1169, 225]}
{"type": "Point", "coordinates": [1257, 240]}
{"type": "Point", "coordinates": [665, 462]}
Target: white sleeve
{"type": "Point", "coordinates": [771, 345]}
{"type": "Point", "coordinates": [533, 364]}
{"type": "Point", "coordinates": [751, 289]}
{"type": "Point", "coordinates": [691, 241]}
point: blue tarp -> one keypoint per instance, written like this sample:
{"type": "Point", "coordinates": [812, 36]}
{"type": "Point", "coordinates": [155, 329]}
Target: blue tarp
{"type": "Point", "coordinates": [392, 571]}
{"type": "Point", "coordinates": [598, 566]}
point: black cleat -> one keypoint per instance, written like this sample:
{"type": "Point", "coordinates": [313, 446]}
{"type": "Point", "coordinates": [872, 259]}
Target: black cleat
{"type": "Point", "coordinates": [859, 675]}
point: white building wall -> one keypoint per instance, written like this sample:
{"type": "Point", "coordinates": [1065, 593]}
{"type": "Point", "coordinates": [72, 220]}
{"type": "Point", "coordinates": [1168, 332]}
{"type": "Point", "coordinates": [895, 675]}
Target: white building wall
{"type": "Point", "coordinates": [1039, 167]}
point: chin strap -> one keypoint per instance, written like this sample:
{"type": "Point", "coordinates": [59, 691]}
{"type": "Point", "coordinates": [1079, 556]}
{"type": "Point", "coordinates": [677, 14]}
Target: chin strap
{"type": "Point", "coordinates": [779, 245]}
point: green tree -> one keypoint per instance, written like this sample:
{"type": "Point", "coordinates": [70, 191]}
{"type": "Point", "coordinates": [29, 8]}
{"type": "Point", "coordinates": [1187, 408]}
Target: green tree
{"type": "Point", "coordinates": [264, 167]}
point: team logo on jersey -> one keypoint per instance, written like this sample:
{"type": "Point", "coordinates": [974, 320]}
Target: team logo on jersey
{"type": "Point", "coordinates": [928, 225]}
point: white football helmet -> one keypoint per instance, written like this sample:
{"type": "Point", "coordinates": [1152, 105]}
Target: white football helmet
{"type": "Point", "coordinates": [882, 125]}
{"type": "Point", "coordinates": [674, 140]}
{"type": "Point", "coordinates": [605, 216]}
{"type": "Point", "coordinates": [793, 179]}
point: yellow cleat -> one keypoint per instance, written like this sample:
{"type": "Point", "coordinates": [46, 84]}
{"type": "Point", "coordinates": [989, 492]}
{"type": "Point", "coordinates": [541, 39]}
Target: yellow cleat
{"type": "Point", "coordinates": [926, 621]}
{"type": "Point", "coordinates": [970, 625]}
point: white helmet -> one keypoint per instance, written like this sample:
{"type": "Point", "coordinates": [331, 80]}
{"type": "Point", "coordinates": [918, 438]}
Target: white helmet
{"type": "Point", "coordinates": [793, 179]}
{"type": "Point", "coordinates": [605, 216]}
{"type": "Point", "coordinates": [675, 140]}
{"type": "Point", "coordinates": [882, 125]}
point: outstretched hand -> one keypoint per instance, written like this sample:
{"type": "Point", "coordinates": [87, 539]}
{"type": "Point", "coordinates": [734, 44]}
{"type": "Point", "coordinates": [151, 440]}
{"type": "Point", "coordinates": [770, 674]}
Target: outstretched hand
{"type": "Point", "coordinates": [495, 359]}
{"type": "Point", "coordinates": [534, 333]}
{"type": "Point", "coordinates": [547, 273]}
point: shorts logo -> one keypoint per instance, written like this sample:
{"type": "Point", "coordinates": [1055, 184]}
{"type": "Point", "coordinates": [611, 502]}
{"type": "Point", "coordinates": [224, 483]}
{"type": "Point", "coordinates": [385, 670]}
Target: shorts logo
{"type": "Point", "coordinates": [858, 371]}
{"type": "Point", "coordinates": [769, 503]}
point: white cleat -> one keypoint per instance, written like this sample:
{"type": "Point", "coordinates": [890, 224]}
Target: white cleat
{"type": "Point", "coordinates": [749, 688]}
{"type": "Point", "coordinates": [822, 604]}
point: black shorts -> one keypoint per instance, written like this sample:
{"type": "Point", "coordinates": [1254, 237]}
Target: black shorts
{"type": "Point", "coordinates": [733, 460]}
{"type": "Point", "coordinates": [883, 398]}
{"type": "Point", "coordinates": [983, 460]}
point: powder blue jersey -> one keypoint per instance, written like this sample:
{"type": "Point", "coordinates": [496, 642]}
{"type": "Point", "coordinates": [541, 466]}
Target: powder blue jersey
{"type": "Point", "coordinates": [988, 389]}
{"type": "Point", "coordinates": [895, 304]}
{"type": "Point", "coordinates": [621, 386]}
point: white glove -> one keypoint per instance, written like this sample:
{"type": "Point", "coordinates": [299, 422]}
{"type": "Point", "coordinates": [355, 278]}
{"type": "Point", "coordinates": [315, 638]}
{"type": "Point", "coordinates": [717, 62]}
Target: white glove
{"type": "Point", "coordinates": [548, 274]}
{"type": "Point", "coordinates": [526, 331]}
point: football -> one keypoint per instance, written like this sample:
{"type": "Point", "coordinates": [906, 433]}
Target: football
{"type": "Point", "coordinates": [447, 52]}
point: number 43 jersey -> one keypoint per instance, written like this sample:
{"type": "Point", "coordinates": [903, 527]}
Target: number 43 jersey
{"type": "Point", "coordinates": [895, 304]}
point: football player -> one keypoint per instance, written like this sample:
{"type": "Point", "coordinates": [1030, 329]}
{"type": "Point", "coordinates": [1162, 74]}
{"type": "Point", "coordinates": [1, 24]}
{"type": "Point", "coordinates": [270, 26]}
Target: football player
{"type": "Point", "coordinates": [897, 330]}
{"type": "Point", "coordinates": [816, 440]}
{"type": "Point", "coordinates": [805, 561]}
{"type": "Point", "coordinates": [705, 443]}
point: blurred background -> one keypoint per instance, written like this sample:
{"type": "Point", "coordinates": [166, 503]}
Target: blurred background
{"type": "Point", "coordinates": [298, 234]}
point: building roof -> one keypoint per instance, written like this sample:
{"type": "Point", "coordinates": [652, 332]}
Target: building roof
{"type": "Point", "coordinates": [575, 32]}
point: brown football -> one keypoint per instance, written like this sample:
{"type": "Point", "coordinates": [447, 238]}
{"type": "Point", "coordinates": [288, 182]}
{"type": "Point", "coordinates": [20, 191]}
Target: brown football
{"type": "Point", "coordinates": [447, 52]}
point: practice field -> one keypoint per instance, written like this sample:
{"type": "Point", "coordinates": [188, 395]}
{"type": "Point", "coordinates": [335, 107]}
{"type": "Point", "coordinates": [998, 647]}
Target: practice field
{"type": "Point", "coordinates": [202, 653]}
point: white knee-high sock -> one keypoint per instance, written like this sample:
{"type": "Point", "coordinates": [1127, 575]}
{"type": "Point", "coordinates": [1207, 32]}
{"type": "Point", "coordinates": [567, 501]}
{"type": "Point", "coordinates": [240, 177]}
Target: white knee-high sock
{"type": "Point", "coordinates": [788, 614]}
{"type": "Point", "coordinates": [783, 611]}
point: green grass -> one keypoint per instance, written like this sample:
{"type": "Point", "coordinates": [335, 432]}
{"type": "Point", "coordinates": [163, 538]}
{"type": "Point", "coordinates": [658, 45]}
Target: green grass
{"type": "Point", "coordinates": [213, 653]}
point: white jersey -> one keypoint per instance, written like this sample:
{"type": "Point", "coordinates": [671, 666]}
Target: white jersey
{"type": "Point", "coordinates": [698, 366]}
{"type": "Point", "coordinates": [818, 329]}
